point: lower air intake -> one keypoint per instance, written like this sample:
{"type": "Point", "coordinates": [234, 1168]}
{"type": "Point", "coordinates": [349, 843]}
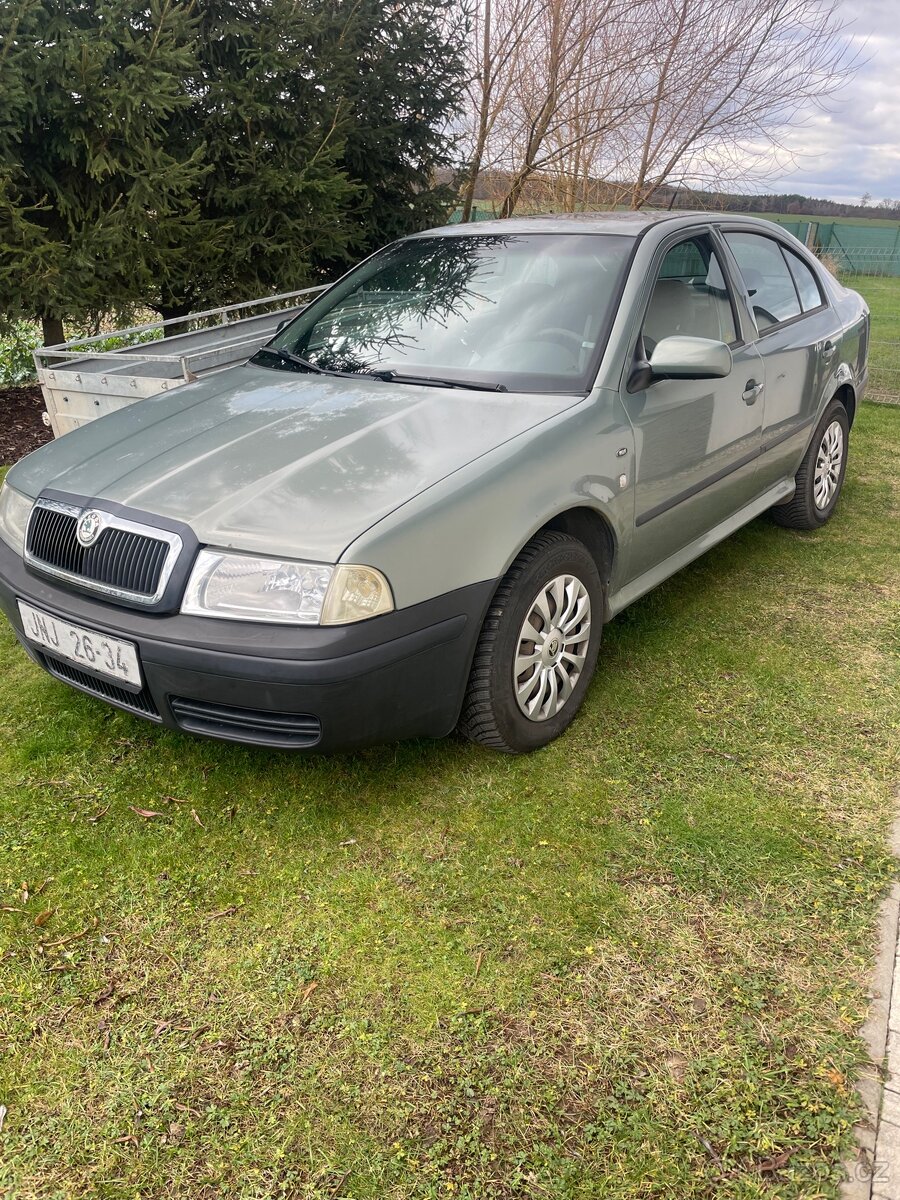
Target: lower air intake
{"type": "Point", "coordinates": [136, 702]}
{"type": "Point", "coordinates": [263, 728]}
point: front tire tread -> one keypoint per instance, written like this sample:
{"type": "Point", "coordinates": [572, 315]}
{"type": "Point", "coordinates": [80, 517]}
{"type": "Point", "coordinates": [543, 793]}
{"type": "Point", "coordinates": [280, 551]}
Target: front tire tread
{"type": "Point", "coordinates": [478, 721]}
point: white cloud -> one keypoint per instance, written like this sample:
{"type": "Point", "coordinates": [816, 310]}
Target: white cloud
{"type": "Point", "coordinates": [854, 147]}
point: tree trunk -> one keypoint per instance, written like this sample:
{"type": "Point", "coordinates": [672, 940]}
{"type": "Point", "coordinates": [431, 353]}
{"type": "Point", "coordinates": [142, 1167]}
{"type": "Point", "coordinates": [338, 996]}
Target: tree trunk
{"type": "Point", "coordinates": [172, 311]}
{"type": "Point", "coordinates": [483, 117]}
{"type": "Point", "coordinates": [52, 331]}
{"type": "Point", "coordinates": [512, 197]}
{"type": "Point", "coordinates": [469, 196]}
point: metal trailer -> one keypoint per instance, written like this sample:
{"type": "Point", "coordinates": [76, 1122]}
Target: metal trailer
{"type": "Point", "coordinates": [81, 381]}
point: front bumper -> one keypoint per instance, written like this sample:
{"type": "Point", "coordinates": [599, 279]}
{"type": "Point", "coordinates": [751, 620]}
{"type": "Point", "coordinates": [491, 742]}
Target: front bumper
{"type": "Point", "coordinates": [395, 676]}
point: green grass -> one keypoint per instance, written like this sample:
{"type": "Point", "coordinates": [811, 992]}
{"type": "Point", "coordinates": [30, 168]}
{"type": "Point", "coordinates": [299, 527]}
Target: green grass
{"type": "Point", "coordinates": [882, 294]}
{"type": "Point", "coordinates": [630, 966]}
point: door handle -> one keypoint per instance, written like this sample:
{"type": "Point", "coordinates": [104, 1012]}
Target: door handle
{"type": "Point", "coordinates": [752, 391]}
{"type": "Point", "coordinates": [828, 350]}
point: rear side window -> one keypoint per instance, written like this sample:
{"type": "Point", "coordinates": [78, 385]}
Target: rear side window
{"type": "Point", "coordinates": [807, 288]}
{"type": "Point", "coordinates": [769, 282]}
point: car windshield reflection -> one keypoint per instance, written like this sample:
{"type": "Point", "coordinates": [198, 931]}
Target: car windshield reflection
{"type": "Point", "coordinates": [509, 312]}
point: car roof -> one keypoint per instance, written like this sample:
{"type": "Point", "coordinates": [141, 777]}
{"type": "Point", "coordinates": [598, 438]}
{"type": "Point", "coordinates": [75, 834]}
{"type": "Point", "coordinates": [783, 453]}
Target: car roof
{"type": "Point", "coordinates": [623, 224]}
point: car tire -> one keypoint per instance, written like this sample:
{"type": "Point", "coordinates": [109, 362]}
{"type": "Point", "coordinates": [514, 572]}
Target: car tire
{"type": "Point", "coordinates": [553, 576]}
{"type": "Point", "coordinates": [821, 474]}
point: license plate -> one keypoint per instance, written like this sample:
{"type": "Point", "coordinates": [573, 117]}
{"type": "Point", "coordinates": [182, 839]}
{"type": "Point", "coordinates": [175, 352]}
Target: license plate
{"type": "Point", "coordinates": [85, 647]}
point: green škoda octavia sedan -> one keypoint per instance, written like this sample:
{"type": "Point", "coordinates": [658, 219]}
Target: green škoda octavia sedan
{"type": "Point", "coordinates": [417, 506]}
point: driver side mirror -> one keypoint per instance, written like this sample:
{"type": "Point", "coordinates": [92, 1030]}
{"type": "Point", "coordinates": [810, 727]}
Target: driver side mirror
{"type": "Point", "coordinates": [680, 357]}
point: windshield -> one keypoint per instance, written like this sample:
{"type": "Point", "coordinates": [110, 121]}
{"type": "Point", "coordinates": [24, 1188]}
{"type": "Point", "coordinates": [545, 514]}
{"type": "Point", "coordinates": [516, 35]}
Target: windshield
{"type": "Point", "coordinates": [517, 312]}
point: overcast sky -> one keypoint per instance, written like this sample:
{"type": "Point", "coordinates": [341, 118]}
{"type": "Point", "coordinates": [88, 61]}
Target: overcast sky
{"type": "Point", "coordinates": [855, 148]}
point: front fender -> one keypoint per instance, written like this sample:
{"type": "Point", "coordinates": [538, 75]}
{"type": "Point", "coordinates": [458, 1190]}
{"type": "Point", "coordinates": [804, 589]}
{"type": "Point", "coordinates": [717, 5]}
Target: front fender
{"type": "Point", "coordinates": [470, 526]}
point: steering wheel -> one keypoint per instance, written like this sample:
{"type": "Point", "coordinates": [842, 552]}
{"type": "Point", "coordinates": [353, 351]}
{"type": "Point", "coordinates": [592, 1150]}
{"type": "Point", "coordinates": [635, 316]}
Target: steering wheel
{"type": "Point", "coordinates": [565, 337]}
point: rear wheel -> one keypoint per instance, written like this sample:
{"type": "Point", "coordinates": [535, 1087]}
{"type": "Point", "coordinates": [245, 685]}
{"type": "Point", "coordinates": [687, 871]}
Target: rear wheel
{"type": "Point", "coordinates": [538, 647]}
{"type": "Point", "coordinates": [821, 474]}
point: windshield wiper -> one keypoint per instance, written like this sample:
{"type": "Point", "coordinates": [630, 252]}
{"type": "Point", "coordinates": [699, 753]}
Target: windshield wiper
{"type": "Point", "coordinates": [435, 381]}
{"type": "Point", "coordinates": [295, 359]}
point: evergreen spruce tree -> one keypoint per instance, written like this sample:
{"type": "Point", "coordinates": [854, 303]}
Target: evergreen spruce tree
{"type": "Point", "coordinates": [275, 200]}
{"type": "Point", "coordinates": [400, 70]}
{"type": "Point", "coordinates": [185, 153]}
{"type": "Point", "coordinates": [86, 181]}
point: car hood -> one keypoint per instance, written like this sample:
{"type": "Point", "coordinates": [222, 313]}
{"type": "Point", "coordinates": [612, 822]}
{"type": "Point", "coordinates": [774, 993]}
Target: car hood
{"type": "Point", "coordinates": [280, 463]}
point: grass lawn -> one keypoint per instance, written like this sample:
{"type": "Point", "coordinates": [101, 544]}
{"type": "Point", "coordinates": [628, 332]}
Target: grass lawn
{"type": "Point", "coordinates": [630, 966]}
{"type": "Point", "coordinates": [882, 294]}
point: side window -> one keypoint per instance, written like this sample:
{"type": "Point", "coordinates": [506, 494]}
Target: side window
{"type": "Point", "coordinates": [683, 261]}
{"type": "Point", "coordinates": [807, 288]}
{"type": "Point", "coordinates": [769, 282]}
{"type": "Point", "coordinates": [690, 297]}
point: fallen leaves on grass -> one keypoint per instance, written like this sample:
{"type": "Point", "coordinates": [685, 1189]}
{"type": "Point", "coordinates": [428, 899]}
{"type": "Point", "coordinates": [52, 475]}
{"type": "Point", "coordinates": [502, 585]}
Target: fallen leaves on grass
{"type": "Point", "coordinates": [175, 1133]}
{"type": "Point", "coordinates": [710, 1150]}
{"type": "Point", "coordinates": [225, 912]}
{"type": "Point", "coordinates": [146, 813]}
{"type": "Point", "coordinates": [837, 1079]}
{"type": "Point", "coordinates": [774, 1163]}
{"type": "Point", "coordinates": [72, 937]}
{"type": "Point", "coordinates": [43, 917]}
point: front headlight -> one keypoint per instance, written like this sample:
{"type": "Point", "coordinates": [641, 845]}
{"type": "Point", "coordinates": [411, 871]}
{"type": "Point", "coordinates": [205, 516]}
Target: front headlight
{"type": "Point", "coordinates": [15, 509]}
{"type": "Point", "coordinates": [242, 587]}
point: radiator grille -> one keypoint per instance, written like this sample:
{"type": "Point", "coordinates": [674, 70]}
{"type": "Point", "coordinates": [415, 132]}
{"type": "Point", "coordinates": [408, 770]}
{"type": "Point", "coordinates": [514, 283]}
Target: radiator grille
{"type": "Point", "coordinates": [120, 558]}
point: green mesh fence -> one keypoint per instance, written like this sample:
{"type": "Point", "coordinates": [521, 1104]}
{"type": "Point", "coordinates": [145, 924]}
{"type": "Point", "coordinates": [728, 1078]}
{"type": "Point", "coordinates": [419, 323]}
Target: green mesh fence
{"type": "Point", "coordinates": [483, 213]}
{"type": "Point", "coordinates": [860, 249]}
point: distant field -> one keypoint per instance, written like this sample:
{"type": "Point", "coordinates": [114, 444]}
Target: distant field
{"type": "Point", "coordinates": [526, 209]}
{"type": "Point", "coordinates": [787, 218]}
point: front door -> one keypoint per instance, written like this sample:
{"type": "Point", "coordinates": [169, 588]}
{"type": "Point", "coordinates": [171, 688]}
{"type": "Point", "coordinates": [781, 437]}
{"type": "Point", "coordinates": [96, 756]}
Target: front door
{"type": "Point", "coordinates": [696, 441]}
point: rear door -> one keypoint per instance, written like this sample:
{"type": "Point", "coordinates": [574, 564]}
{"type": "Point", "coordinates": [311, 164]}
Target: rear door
{"type": "Point", "coordinates": [798, 336]}
{"type": "Point", "coordinates": [696, 441]}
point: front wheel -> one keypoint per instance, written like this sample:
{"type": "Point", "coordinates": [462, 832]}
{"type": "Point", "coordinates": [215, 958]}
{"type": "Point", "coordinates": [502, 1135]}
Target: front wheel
{"type": "Point", "coordinates": [821, 474]}
{"type": "Point", "coordinates": [538, 647]}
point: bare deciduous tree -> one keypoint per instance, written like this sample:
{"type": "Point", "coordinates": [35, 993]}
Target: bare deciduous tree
{"type": "Point", "coordinates": [500, 29]}
{"type": "Point", "coordinates": [629, 95]}
{"type": "Point", "coordinates": [560, 95]}
{"type": "Point", "coordinates": [725, 79]}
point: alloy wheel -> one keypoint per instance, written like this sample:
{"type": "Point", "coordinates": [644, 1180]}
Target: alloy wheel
{"type": "Point", "coordinates": [829, 460]}
{"type": "Point", "coordinates": [552, 647]}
